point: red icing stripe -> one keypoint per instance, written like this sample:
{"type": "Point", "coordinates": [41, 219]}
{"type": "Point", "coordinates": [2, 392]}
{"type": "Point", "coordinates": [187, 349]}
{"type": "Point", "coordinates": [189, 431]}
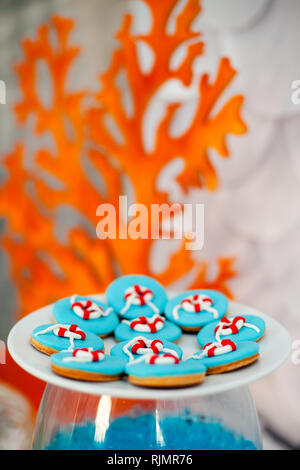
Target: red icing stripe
{"type": "Point", "coordinates": [176, 360]}
{"type": "Point", "coordinates": [154, 347]}
{"type": "Point", "coordinates": [61, 332]}
{"type": "Point", "coordinates": [228, 342]}
{"type": "Point", "coordinates": [139, 344]}
{"type": "Point", "coordinates": [153, 358]}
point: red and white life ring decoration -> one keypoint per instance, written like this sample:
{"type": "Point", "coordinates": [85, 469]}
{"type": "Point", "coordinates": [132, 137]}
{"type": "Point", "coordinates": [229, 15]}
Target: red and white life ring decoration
{"type": "Point", "coordinates": [216, 349]}
{"type": "Point", "coordinates": [158, 359]}
{"type": "Point", "coordinates": [195, 303]}
{"type": "Point", "coordinates": [87, 309]}
{"type": "Point", "coordinates": [141, 345]}
{"type": "Point", "coordinates": [231, 326]}
{"type": "Point", "coordinates": [66, 331]}
{"type": "Point", "coordinates": [146, 325]}
{"type": "Point", "coordinates": [85, 355]}
{"type": "Point", "coordinates": [138, 295]}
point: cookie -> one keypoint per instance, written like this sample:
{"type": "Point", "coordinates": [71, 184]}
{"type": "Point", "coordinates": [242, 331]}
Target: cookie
{"type": "Point", "coordinates": [236, 328]}
{"type": "Point", "coordinates": [140, 345]}
{"type": "Point", "coordinates": [89, 314]}
{"type": "Point", "coordinates": [226, 355]}
{"type": "Point", "coordinates": [165, 371]}
{"type": "Point", "coordinates": [135, 295]}
{"type": "Point", "coordinates": [55, 337]}
{"type": "Point", "coordinates": [87, 364]}
{"type": "Point", "coordinates": [155, 327]}
{"type": "Point", "coordinates": [196, 308]}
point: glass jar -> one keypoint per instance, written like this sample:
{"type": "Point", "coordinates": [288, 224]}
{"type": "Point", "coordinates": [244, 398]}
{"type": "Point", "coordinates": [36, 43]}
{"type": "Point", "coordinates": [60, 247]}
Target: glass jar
{"type": "Point", "coordinates": [75, 420]}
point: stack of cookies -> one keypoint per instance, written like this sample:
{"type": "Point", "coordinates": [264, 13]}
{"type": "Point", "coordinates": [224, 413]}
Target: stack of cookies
{"type": "Point", "coordinates": [146, 326]}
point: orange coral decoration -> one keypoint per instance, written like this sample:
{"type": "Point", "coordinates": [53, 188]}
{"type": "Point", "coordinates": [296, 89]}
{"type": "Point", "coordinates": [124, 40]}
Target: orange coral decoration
{"type": "Point", "coordinates": [42, 264]}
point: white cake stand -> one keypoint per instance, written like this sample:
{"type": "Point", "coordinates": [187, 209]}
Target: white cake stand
{"type": "Point", "coordinates": [274, 350]}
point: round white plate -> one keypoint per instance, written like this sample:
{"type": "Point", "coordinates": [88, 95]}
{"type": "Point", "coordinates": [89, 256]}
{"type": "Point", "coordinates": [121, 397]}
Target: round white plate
{"type": "Point", "coordinates": [274, 349]}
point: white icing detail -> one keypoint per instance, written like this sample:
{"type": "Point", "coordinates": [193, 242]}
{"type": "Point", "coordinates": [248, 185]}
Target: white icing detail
{"type": "Point", "coordinates": [145, 351]}
{"type": "Point", "coordinates": [159, 359]}
{"type": "Point", "coordinates": [195, 303]}
{"type": "Point", "coordinates": [144, 327]}
{"type": "Point", "coordinates": [82, 355]}
{"type": "Point", "coordinates": [133, 298]}
{"type": "Point", "coordinates": [67, 334]}
{"type": "Point", "coordinates": [219, 351]}
{"type": "Point", "coordinates": [94, 310]}
{"type": "Point", "coordinates": [227, 331]}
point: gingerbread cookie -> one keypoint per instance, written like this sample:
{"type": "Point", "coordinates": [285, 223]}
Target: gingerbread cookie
{"type": "Point", "coordinates": [52, 338]}
{"type": "Point", "coordinates": [165, 371]}
{"type": "Point", "coordinates": [140, 345]}
{"type": "Point", "coordinates": [236, 328]}
{"type": "Point", "coordinates": [196, 308]}
{"type": "Point", "coordinates": [89, 314]}
{"type": "Point", "coordinates": [155, 327]}
{"type": "Point", "coordinates": [135, 295]}
{"type": "Point", "coordinates": [87, 364]}
{"type": "Point", "coordinates": [226, 355]}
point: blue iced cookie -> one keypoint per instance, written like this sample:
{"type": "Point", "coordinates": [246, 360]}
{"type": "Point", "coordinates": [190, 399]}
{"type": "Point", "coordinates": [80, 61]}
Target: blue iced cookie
{"type": "Point", "coordinates": [87, 364]}
{"type": "Point", "coordinates": [133, 349]}
{"type": "Point", "coordinates": [89, 314]}
{"type": "Point", "coordinates": [155, 327]}
{"type": "Point", "coordinates": [55, 337]}
{"type": "Point", "coordinates": [135, 295]}
{"type": "Point", "coordinates": [195, 308]}
{"type": "Point", "coordinates": [226, 355]}
{"type": "Point", "coordinates": [236, 328]}
{"type": "Point", "coordinates": [166, 371]}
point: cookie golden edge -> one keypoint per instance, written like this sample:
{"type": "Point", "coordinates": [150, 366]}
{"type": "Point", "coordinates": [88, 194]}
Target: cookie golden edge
{"type": "Point", "coordinates": [168, 382]}
{"type": "Point", "coordinates": [45, 349]}
{"type": "Point", "coordinates": [42, 348]}
{"type": "Point", "coordinates": [83, 375]}
{"type": "Point", "coordinates": [232, 365]}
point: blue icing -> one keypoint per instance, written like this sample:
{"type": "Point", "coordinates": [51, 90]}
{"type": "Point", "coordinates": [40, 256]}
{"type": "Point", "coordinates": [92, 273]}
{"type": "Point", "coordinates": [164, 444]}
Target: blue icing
{"type": "Point", "coordinates": [169, 332]}
{"type": "Point", "coordinates": [117, 350]}
{"type": "Point", "coordinates": [196, 320]}
{"type": "Point", "coordinates": [158, 370]}
{"type": "Point", "coordinates": [243, 350]}
{"type": "Point", "coordinates": [63, 313]}
{"type": "Point", "coordinates": [207, 335]}
{"type": "Point", "coordinates": [116, 290]}
{"type": "Point", "coordinates": [188, 432]}
{"type": "Point", "coordinates": [108, 366]}
{"type": "Point", "coordinates": [60, 343]}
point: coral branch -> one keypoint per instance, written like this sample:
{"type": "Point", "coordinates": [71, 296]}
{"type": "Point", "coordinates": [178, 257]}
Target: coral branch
{"type": "Point", "coordinates": [81, 136]}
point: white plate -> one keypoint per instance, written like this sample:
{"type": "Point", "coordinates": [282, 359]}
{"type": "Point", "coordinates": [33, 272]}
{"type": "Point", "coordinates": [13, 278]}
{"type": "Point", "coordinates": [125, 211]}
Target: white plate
{"type": "Point", "coordinates": [275, 347]}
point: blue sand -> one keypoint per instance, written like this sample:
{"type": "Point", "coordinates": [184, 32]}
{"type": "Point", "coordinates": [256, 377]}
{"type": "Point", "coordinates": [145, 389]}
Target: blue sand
{"type": "Point", "coordinates": [189, 432]}
{"type": "Point", "coordinates": [196, 320]}
{"type": "Point", "coordinates": [207, 335]}
{"type": "Point", "coordinates": [116, 290]}
{"type": "Point", "coordinates": [243, 350]}
{"type": "Point", "coordinates": [169, 332]}
{"type": "Point", "coordinates": [108, 366]}
{"type": "Point", "coordinates": [102, 326]}
{"type": "Point", "coordinates": [150, 370]}
{"type": "Point", "coordinates": [117, 350]}
{"type": "Point", "coordinates": [60, 343]}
